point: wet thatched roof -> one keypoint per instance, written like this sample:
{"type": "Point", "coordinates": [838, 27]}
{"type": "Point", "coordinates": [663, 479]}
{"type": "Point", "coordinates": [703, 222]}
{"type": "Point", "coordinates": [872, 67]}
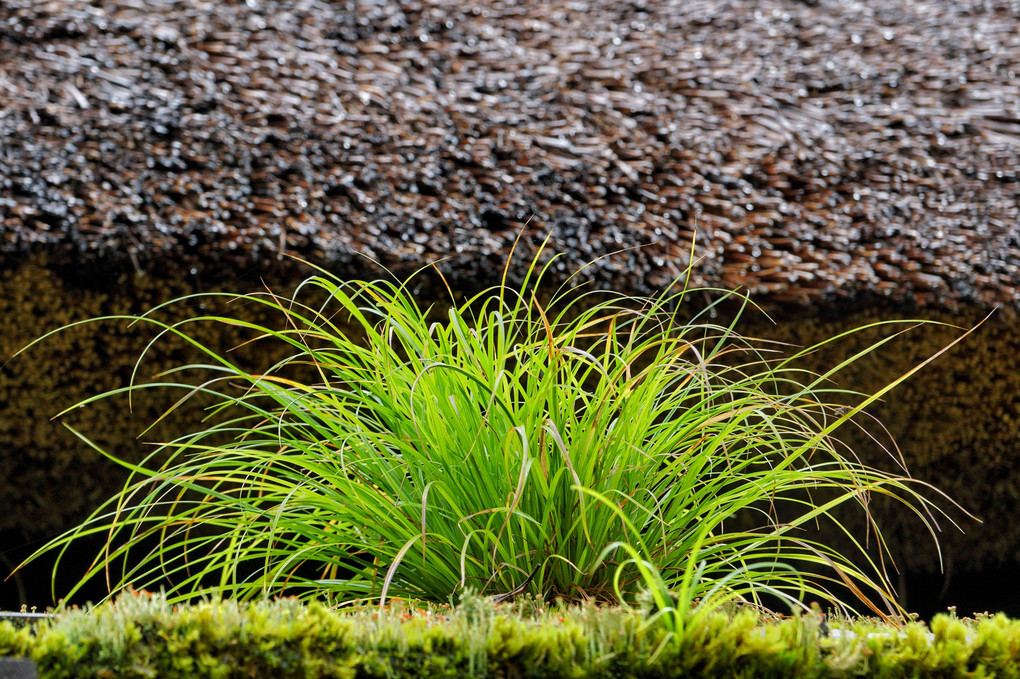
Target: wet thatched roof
{"type": "Point", "coordinates": [823, 150]}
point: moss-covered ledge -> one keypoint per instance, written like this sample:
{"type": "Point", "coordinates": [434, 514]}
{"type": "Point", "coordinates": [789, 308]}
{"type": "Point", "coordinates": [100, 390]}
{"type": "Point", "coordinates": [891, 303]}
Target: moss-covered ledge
{"type": "Point", "coordinates": [141, 636]}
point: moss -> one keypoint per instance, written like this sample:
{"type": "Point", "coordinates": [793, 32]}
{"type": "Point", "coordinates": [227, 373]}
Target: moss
{"type": "Point", "coordinates": [139, 635]}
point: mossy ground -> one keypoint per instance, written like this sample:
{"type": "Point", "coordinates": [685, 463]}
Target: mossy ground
{"type": "Point", "coordinates": [138, 635]}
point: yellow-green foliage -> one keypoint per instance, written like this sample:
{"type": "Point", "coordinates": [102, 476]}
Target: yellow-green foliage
{"type": "Point", "coordinates": [140, 636]}
{"type": "Point", "coordinates": [957, 421]}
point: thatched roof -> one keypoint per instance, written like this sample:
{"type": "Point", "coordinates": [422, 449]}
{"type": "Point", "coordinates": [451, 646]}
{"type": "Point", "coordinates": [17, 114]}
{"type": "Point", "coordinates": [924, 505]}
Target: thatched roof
{"type": "Point", "coordinates": [822, 150]}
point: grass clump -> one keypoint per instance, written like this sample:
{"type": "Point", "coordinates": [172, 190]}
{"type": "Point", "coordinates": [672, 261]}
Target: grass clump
{"type": "Point", "coordinates": [584, 447]}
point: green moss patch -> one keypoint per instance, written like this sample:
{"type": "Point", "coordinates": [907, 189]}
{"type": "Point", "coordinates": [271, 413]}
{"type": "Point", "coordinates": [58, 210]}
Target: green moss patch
{"type": "Point", "coordinates": [142, 636]}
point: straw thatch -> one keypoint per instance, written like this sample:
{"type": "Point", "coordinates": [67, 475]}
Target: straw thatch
{"type": "Point", "coordinates": [822, 150]}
